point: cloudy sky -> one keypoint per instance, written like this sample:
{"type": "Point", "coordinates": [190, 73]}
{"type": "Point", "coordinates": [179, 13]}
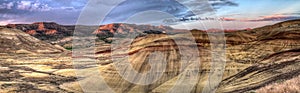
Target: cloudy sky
{"type": "Point", "coordinates": [236, 14]}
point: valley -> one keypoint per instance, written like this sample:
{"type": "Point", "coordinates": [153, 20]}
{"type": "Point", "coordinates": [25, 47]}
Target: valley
{"type": "Point", "coordinates": [38, 58]}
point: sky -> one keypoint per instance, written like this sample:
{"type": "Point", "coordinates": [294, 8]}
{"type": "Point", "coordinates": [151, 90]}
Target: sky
{"type": "Point", "coordinates": [235, 14]}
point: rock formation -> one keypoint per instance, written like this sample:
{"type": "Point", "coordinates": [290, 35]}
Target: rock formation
{"type": "Point", "coordinates": [47, 31]}
{"type": "Point", "coordinates": [15, 41]}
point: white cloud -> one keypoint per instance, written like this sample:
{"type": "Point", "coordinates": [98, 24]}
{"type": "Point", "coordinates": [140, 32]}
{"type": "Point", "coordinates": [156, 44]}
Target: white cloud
{"type": "Point", "coordinates": [32, 6]}
{"type": "Point", "coordinates": [7, 5]}
{"type": "Point", "coordinates": [24, 5]}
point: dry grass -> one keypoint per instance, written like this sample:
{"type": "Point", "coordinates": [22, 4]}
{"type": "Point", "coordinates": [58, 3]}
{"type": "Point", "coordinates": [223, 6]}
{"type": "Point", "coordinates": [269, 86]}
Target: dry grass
{"type": "Point", "coordinates": [289, 86]}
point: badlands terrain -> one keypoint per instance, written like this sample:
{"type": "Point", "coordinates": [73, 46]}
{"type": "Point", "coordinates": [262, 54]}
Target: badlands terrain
{"type": "Point", "coordinates": [37, 58]}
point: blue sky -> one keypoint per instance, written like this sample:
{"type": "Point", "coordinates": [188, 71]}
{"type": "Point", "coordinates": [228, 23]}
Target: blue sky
{"type": "Point", "coordinates": [256, 8]}
{"type": "Point", "coordinates": [246, 13]}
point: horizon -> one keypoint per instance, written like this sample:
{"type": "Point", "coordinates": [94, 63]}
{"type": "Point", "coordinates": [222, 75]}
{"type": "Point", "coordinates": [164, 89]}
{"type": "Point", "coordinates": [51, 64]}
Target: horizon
{"type": "Point", "coordinates": [236, 14]}
{"type": "Point", "coordinates": [224, 29]}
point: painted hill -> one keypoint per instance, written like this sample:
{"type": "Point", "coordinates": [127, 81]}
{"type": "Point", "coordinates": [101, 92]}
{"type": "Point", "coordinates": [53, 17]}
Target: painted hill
{"type": "Point", "coordinates": [16, 41]}
{"type": "Point", "coordinates": [255, 58]}
{"type": "Point", "coordinates": [28, 64]}
{"type": "Point", "coordinates": [46, 31]}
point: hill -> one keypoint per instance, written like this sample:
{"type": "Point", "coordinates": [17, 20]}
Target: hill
{"type": "Point", "coordinates": [15, 41]}
{"type": "Point", "coordinates": [254, 58]}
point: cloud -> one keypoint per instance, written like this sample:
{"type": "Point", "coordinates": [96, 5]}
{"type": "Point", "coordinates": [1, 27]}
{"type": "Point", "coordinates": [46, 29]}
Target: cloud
{"type": "Point", "coordinates": [7, 5]}
{"type": "Point", "coordinates": [33, 6]}
{"type": "Point", "coordinates": [276, 18]}
{"type": "Point", "coordinates": [182, 8]}
{"type": "Point", "coordinates": [217, 4]}
{"type": "Point", "coordinates": [56, 10]}
{"type": "Point", "coordinates": [130, 7]}
{"type": "Point", "coordinates": [24, 6]}
{"type": "Point", "coordinates": [290, 13]}
{"type": "Point", "coordinates": [40, 10]}
{"type": "Point", "coordinates": [228, 19]}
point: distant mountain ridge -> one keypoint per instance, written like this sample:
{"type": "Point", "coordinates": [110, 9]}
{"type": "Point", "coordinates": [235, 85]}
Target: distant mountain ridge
{"type": "Point", "coordinates": [52, 28]}
{"type": "Point", "coordinates": [52, 32]}
{"type": "Point", "coordinates": [122, 28]}
{"type": "Point", "coordinates": [62, 34]}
